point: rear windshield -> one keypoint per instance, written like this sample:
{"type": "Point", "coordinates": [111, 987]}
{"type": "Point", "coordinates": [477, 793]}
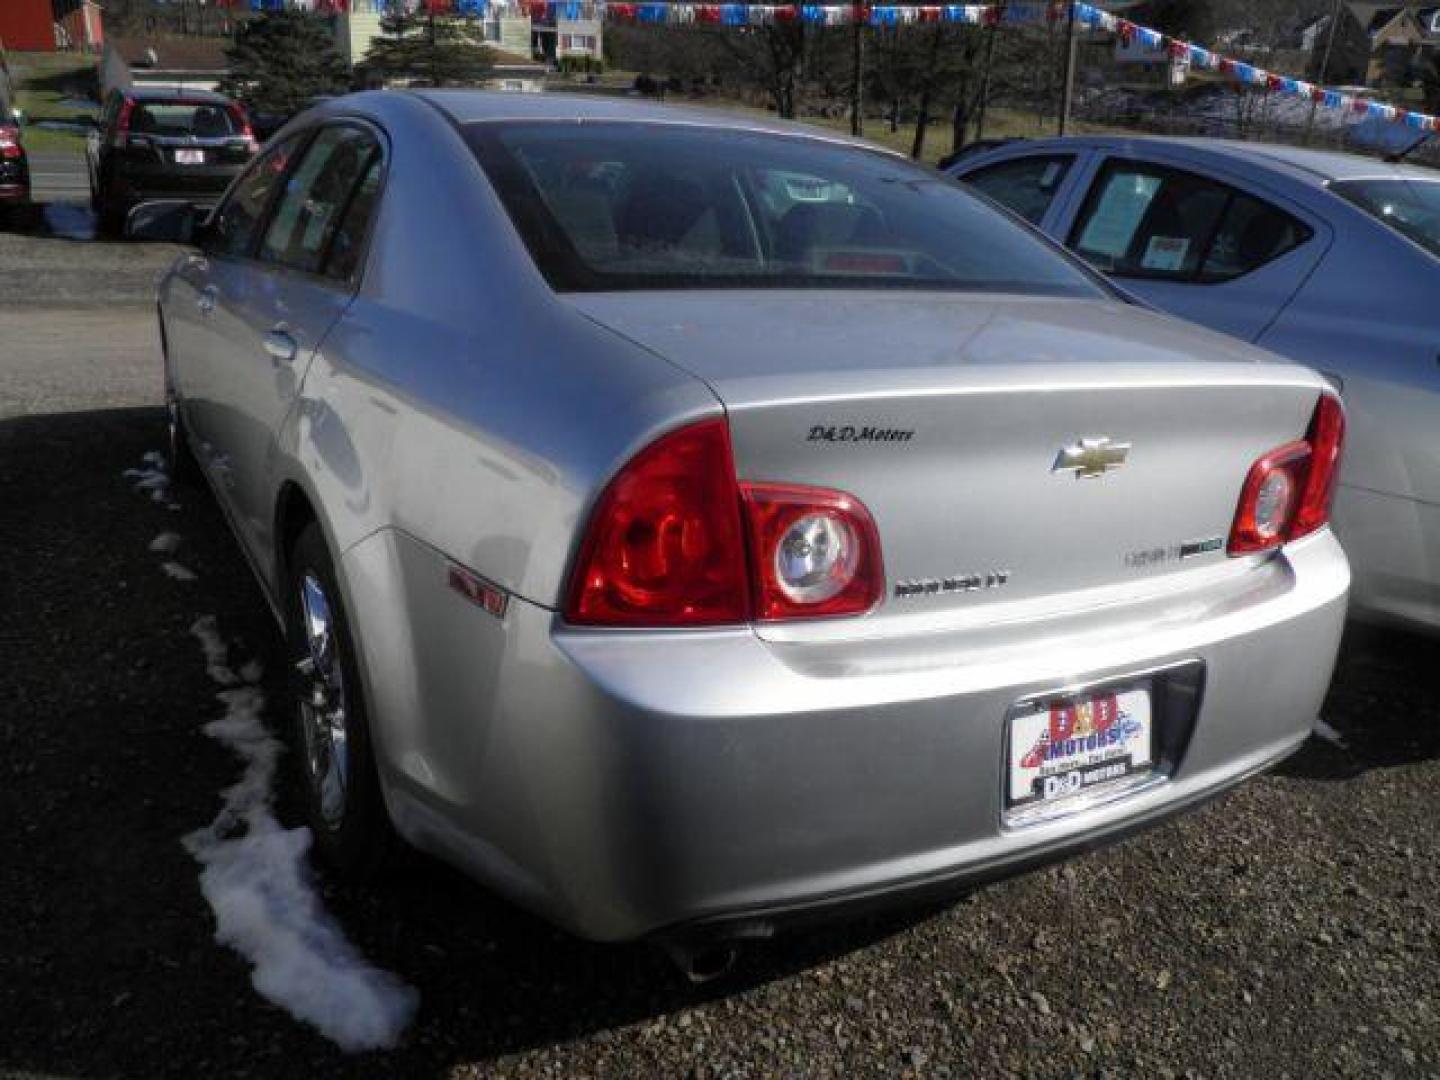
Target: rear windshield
{"type": "Point", "coordinates": [182, 120]}
{"type": "Point", "coordinates": [1410, 207]}
{"type": "Point", "coordinates": [617, 206]}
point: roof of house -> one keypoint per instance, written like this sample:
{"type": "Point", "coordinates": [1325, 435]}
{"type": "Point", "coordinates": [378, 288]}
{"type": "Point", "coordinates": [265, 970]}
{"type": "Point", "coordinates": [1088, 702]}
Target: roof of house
{"type": "Point", "coordinates": [173, 53]}
{"type": "Point", "coordinates": [1373, 17]}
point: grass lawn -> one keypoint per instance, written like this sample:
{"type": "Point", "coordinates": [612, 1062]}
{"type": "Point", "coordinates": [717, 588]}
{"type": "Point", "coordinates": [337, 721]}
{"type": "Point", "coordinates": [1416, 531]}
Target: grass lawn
{"type": "Point", "coordinates": [999, 124]}
{"type": "Point", "coordinates": [53, 86]}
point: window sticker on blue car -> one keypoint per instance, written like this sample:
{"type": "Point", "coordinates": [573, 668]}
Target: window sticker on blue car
{"type": "Point", "coordinates": [1165, 253]}
{"type": "Point", "coordinates": [1112, 226]}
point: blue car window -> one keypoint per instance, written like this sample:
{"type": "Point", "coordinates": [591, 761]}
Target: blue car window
{"type": "Point", "coordinates": [1025, 185]}
{"type": "Point", "coordinates": [1154, 222]}
{"type": "Point", "coordinates": [1411, 207]}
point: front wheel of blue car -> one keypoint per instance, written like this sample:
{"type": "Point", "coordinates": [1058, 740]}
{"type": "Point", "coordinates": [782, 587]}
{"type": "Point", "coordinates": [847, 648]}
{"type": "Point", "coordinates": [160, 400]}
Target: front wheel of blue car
{"type": "Point", "coordinates": [344, 804]}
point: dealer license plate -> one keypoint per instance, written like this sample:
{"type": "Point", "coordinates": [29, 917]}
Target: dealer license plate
{"type": "Point", "coordinates": [1077, 746]}
{"type": "Point", "coordinates": [189, 157]}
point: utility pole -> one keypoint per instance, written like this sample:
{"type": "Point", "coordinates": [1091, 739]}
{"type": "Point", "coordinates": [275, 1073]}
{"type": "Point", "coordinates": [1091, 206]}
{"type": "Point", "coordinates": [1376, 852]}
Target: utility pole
{"type": "Point", "coordinates": [857, 65]}
{"type": "Point", "coordinates": [434, 67]}
{"type": "Point", "coordinates": [1324, 72]}
{"type": "Point", "coordinates": [1067, 91]}
{"type": "Point", "coordinates": [999, 17]}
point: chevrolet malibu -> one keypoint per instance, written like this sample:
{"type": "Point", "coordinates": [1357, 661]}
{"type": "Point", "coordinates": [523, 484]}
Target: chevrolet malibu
{"type": "Point", "coordinates": [685, 524]}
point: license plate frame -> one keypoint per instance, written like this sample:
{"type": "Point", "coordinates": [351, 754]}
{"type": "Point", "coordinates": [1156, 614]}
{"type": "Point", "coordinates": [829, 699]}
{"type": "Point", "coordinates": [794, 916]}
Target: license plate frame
{"type": "Point", "coordinates": [1175, 694]}
{"type": "Point", "coordinates": [189, 156]}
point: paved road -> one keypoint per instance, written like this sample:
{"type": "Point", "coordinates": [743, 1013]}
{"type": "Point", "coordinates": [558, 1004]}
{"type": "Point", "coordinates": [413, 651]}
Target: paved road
{"type": "Point", "coordinates": [51, 259]}
{"type": "Point", "coordinates": [57, 176]}
{"type": "Point", "coordinates": [1286, 930]}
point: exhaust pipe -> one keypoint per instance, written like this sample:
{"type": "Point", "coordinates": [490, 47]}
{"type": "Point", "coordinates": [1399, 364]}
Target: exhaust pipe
{"type": "Point", "coordinates": [703, 963]}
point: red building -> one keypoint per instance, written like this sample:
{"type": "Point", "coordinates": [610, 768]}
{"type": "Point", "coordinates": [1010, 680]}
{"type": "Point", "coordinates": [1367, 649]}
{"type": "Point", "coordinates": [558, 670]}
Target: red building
{"type": "Point", "coordinates": [46, 25]}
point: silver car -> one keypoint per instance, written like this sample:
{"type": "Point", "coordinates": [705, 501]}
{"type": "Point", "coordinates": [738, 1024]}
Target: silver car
{"type": "Point", "coordinates": [682, 523]}
{"type": "Point", "coordinates": [1329, 259]}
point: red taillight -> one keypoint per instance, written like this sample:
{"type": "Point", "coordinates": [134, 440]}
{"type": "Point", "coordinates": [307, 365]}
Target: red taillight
{"type": "Point", "coordinates": [1326, 438]}
{"type": "Point", "coordinates": [10, 142]}
{"type": "Point", "coordinates": [122, 124]}
{"type": "Point", "coordinates": [814, 552]}
{"type": "Point", "coordinates": [667, 544]}
{"type": "Point", "coordinates": [242, 121]}
{"type": "Point", "coordinates": [1287, 492]}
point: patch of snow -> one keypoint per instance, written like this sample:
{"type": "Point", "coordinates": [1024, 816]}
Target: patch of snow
{"type": "Point", "coordinates": [256, 879]}
{"type": "Point", "coordinates": [176, 571]}
{"type": "Point", "coordinates": [206, 631]}
{"type": "Point", "coordinates": [1329, 734]}
{"type": "Point", "coordinates": [154, 478]}
{"type": "Point", "coordinates": [166, 543]}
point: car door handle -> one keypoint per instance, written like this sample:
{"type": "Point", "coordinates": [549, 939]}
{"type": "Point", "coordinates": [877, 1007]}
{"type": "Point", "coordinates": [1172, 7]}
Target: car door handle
{"type": "Point", "coordinates": [206, 300]}
{"type": "Point", "coordinates": [281, 346]}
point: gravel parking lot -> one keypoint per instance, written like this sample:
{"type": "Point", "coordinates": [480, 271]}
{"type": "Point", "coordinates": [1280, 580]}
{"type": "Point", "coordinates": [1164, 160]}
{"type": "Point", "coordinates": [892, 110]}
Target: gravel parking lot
{"type": "Point", "coordinates": [1285, 930]}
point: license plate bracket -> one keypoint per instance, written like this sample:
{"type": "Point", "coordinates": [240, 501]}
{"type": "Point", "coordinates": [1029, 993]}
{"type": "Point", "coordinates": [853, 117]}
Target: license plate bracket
{"type": "Point", "coordinates": [1079, 746]}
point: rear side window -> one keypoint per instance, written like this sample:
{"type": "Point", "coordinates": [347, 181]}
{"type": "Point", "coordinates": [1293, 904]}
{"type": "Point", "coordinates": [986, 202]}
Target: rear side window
{"type": "Point", "coordinates": [349, 243]}
{"type": "Point", "coordinates": [237, 222]}
{"type": "Point", "coordinates": [316, 196]}
{"type": "Point", "coordinates": [1025, 185]}
{"type": "Point", "coordinates": [1408, 205]}
{"type": "Point", "coordinates": [1148, 221]}
{"type": "Point", "coordinates": [630, 206]}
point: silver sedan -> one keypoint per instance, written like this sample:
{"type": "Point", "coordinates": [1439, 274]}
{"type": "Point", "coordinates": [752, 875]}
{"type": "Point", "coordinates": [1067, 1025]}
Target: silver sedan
{"type": "Point", "coordinates": [1329, 259]}
{"type": "Point", "coordinates": [682, 523]}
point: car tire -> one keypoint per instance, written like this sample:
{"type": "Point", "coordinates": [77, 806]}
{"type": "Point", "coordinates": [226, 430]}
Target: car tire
{"type": "Point", "coordinates": [340, 783]}
{"type": "Point", "coordinates": [109, 216]}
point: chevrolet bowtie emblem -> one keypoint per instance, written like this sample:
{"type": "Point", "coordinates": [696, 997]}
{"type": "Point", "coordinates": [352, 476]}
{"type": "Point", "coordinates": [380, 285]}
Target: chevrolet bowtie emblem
{"type": "Point", "coordinates": [1091, 457]}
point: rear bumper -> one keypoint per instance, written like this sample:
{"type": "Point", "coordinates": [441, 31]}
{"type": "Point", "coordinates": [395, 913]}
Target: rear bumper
{"type": "Point", "coordinates": [629, 783]}
{"type": "Point", "coordinates": [14, 181]}
{"type": "Point", "coordinates": [202, 185]}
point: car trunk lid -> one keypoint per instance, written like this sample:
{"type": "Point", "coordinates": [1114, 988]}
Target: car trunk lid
{"type": "Point", "coordinates": [1008, 448]}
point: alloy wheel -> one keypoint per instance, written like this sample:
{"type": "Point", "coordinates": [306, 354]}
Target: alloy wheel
{"type": "Point", "coordinates": [323, 712]}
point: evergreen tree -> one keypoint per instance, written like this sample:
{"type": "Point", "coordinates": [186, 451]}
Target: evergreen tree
{"type": "Point", "coordinates": [430, 49]}
{"type": "Point", "coordinates": [282, 59]}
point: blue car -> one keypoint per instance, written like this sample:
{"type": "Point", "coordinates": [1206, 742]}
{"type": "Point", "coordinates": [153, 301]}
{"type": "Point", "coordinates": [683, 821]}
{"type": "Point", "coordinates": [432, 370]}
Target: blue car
{"type": "Point", "coordinates": [1332, 260]}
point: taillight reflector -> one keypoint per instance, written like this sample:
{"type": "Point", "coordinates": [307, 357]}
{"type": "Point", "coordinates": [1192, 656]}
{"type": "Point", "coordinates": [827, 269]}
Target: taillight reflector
{"type": "Point", "coordinates": [1287, 493]}
{"type": "Point", "coordinates": [813, 551]}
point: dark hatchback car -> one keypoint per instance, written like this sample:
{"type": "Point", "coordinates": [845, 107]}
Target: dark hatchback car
{"type": "Point", "coordinates": [154, 143]}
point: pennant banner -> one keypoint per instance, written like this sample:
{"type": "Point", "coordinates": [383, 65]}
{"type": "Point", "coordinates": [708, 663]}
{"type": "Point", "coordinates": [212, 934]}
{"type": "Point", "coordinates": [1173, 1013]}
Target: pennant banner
{"type": "Point", "coordinates": [1086, 16]}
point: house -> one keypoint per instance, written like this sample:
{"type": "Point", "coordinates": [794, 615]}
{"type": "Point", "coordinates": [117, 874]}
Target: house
{"type": "Point", "coordinates": [569, 31]}
{"type": "Point", "coordinates": [79, 25]}
{"type": "Point", "coordinates": [507, 31]}
{"type": "Point", "coordinates": [47, 25]}
{"type": "Point", "coordinates": [184, 62]}
{"type": "Point", "coordinates": [1397, 37]}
